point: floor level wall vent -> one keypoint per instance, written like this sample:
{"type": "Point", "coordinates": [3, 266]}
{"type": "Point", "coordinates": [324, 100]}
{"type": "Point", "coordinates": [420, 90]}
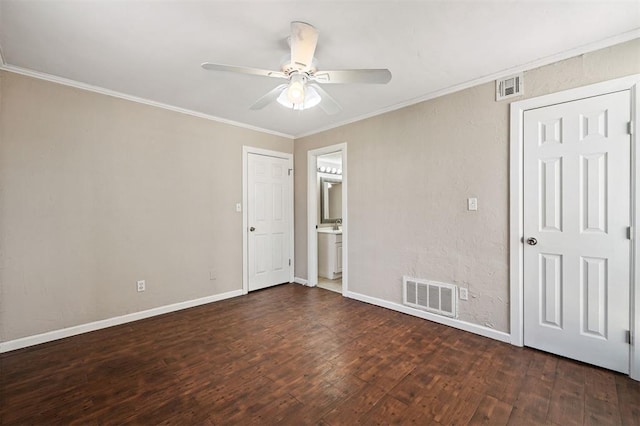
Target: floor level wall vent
{"type": "Point", "coordinates": [432, 296]}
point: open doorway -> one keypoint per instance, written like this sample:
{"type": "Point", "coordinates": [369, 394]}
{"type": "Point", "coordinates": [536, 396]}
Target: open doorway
{"type": "Point", "coordinates": [327, 218]}
{"type": "Point", "coordinates": [329, 177]}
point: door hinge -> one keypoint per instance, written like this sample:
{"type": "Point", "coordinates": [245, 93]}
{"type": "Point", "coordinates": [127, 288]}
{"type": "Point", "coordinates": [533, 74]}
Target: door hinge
{"type": "Point", "coordinates": [628, 337]}
{"type": "Point", "coordinates": [629, 233]}
{"type": "Point", "coordinates": [289, 262]}
{"type": "Point", "coordinates": [630, 127]}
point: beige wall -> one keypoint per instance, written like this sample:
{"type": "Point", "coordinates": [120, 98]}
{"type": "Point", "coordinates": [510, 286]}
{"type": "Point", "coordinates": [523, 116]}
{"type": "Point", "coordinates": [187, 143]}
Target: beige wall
{"type": "Point", "coordinates": [98, 192]}
{"type": "Point", "coordinates": [410, 172]}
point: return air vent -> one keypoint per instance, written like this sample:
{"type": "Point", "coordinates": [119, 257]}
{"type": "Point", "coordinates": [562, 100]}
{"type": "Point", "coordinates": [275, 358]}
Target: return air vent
{"type": "Point", "coordinates": [432, 296]}
{"type": "Point", "coordinates": [509, 87]}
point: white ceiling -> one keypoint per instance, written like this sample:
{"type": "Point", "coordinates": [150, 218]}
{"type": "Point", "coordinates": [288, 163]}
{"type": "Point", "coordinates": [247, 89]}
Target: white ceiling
{"type": "Point", "coordinates": [153, 49]}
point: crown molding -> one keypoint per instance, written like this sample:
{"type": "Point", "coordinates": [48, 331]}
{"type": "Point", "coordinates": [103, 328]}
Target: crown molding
{"type": "Point", "coordinates": [581, 50]}
{"type": "Point", "coordinates": [112, 93]}
{"type": "Point", "coordinates": [608, 42]}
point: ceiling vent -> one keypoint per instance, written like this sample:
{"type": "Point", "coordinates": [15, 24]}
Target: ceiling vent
{"type": "Point", "coordinates": [509, 87]}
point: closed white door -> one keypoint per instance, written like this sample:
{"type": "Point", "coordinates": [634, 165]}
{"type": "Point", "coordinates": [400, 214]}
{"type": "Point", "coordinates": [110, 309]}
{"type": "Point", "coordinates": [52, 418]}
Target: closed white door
{"type": "Point", "coordinates": [576, 217]}
{"type": "Point", "coordinates": [268, 221]}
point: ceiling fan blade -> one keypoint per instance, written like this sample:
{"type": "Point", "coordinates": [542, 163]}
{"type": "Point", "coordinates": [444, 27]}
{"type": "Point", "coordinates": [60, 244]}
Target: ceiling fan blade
{"type": "Point", "coordinates": [328, 104]}
{"type": "Point", "coordinates": [268, 98]}
{"type": "Point", "coordinates": [304, 39]}
{"type": "Point", "coordinates": [370, 76]}
{"type": "Point", "coordinates": [243, 70]}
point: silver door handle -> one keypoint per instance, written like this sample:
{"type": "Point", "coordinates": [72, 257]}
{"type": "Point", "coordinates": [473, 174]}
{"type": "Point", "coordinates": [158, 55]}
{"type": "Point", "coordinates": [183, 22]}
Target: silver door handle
{"type": "Point", "coordinates": [532, 241]}
{"type": "Point", "coordinates": [252, 229]}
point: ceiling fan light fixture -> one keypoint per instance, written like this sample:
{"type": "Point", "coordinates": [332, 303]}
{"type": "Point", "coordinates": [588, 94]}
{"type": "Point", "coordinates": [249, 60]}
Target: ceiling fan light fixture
{"type": "Point", "coordinates": [295, 91]}
{"type": "Point", "coordinates": [311, 99]}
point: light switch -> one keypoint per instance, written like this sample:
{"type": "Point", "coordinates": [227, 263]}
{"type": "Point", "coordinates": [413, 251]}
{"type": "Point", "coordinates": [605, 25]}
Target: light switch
{"type": "Point", "coordinates": [472, 204]}
{"type": "Point", "coordinates": [238, 207]}
{"type": "Point", "coordinates": [464, 293]}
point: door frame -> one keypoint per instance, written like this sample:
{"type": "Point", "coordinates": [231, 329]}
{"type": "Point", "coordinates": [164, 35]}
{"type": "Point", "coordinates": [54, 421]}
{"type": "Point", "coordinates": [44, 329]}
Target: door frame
{"type": "Point", "coordinates": [312, 214]}
{"type": "Point", "coordinates": [516, 204]}
{"type": "Point", "coordinates": [246, 150]}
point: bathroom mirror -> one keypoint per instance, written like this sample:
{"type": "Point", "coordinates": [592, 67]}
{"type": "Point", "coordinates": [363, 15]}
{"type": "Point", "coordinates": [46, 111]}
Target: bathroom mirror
{"type": "Point", "coordinates": [330, 200]}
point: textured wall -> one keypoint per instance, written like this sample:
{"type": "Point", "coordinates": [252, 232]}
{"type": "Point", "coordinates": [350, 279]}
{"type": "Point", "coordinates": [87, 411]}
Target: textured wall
{"type": "Point", "coordinates": [410, 172]}
{"type": "Point", "coordinates": [98, 192]}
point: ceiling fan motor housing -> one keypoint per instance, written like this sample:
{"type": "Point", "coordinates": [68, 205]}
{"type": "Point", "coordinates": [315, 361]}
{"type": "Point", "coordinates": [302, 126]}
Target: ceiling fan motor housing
{"type": "Point", "coordinates": [289, 67]}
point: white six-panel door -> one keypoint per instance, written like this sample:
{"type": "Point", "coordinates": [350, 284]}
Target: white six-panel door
{"type": "Point", "coordinates": [268, 221]}
{"type": "Point", "coordinates": [576, 218]}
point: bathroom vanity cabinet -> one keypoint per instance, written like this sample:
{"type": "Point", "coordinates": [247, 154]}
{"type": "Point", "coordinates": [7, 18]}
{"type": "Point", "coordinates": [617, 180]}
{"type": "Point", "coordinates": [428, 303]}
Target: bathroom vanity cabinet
{"type": "Point", "coordinates": [329, 253]}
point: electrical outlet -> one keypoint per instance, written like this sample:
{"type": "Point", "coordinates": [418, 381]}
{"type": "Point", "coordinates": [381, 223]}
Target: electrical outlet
{"type": "Point", "coordinates": [212, 275]}
{"type": "Point", "coordinates": [472, 204]}
{"type": "Point", "coordinates": [141, 285]}
{"type": "Point", "coordinates": [464, 293]}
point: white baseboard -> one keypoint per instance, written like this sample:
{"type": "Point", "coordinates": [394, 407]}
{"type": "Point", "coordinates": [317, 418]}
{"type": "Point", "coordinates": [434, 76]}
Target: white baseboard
{"type": "Point", "coordinates": [451, 322]}
{"type": "Point", "coordinates": [37, 339]}
{"type": "Point", "coordinates": [49, 336]}
{"type": "Point", "coordinates": [300, 281]}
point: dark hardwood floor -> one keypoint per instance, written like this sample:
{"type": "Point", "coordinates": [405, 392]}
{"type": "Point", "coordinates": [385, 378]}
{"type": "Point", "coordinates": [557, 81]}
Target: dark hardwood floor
{"type": "Point", "coordinates": [297, 355]}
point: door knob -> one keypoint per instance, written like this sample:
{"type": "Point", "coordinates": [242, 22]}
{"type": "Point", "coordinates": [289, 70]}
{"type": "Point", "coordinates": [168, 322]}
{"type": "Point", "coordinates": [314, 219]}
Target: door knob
{"type": "Point", "coordinates": [532, 241]}
{"type": "Point", "coordinates": [252, 229]}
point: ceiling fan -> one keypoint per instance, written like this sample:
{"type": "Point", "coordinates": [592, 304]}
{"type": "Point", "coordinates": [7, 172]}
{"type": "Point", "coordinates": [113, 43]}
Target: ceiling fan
{"type": "Point", "coordinates": [303, 91]}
